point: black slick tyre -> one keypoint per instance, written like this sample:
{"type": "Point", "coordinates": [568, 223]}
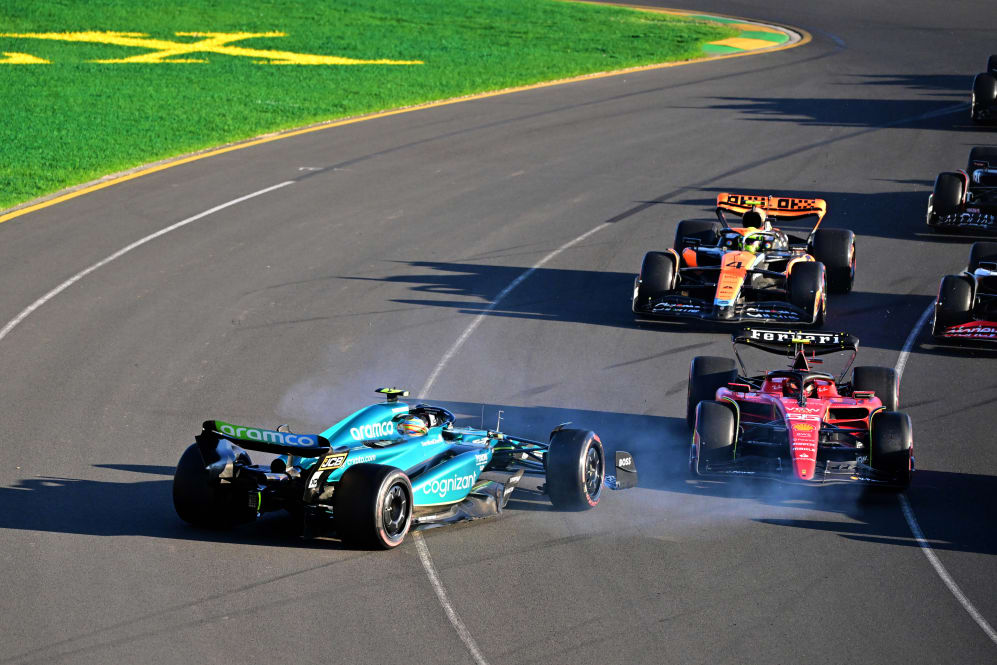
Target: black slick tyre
{"type": "Point", "coordinates": [891, 447]}
{"type": "Point", "coordinates": [953, 304]}
{"type": "Point", "coordinates": [984, 96]}
{"type": "Point", "coordinates": [657, 275]}
{"type": "Point", "coordinates": [716, 433]}
{"type": "Point", "coordinates": [576, 467]}
{"type": "Point", "coordinates": [705, 232]}
{"type": "Point", "coordinates": [706, 375]}
{"type": "Point", "coordinates": [982, 252]}
{"type": "Point", "coordinates": [805, 289]}
{"type": "Point", "coordinates": [372, 506]}
{"type": "Point", "coordinates": [946, 197]}
{"type": "Point", "coordinates": [880, 380]}
{"type": "Point", "coordinates": [835, 248]}
{"type": "Point", "coordinates": [984, 154]}
{"type": "Point", "coordinates": [205, 503]}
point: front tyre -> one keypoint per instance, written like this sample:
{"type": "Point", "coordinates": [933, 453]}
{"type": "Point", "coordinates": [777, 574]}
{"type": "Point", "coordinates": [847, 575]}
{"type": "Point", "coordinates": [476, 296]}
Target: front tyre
{"type": "Point", "coordinates": [657, 275]}
{"type": "Point", "coordinates": [891, 448]}
{"type": "Point", "coordinates": [946, 196]}
{"type": "Point", "coordinates": [715, 434]}
{"type": "Point", "coordinates": [953, 305]}
{"type": "Point", "coordinates": [984, 97]}
{"type": "Point", "coordinates": [372, 506]}
{"type": "Point", "coordinates": [805, 289]}
{"type": "Point", "coordinates": [576, 467]}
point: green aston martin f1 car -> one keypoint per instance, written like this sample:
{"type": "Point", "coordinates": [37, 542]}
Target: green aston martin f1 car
{"type": "Point", "coordinates": [384, 470]}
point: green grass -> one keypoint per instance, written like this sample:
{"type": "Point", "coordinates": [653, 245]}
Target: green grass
{"type": "Point", "coordinates": [74, 120]}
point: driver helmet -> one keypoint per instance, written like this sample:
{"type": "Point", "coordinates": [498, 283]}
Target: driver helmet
{"type": "Point", "coordinates": [410, 425]}
{"type": "Point", "coordinates": [790, 387]}
{"type": "Point", "coordinates": [753, 242]}
{"type": "Point", "coordinates": [756, 218]}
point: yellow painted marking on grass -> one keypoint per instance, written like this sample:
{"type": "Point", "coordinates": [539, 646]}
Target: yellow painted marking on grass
{"type": "Point", "coordinates": [745, 43]}
{"type": "Point", "coordinates": [22, 59]}
{"type": "Point", "coordinates": [753, 27]}
{"type": "Point", "coordinates": [210, 42]}
{"type": "Point", "coordinates": [114, 179]}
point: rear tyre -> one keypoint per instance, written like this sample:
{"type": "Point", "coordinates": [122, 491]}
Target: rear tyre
{"type": "Point", "coordinates": [953, 304]}
{"type": "Point", "coordinates": [982, 252]}
{"type": "Point", "coordinates": [716, 432]}
{"type": "Point", "coordinates": [984, 154]}
{"type": "Point", "coordinates": [805, 289]}
{"type": "Point", "coordinates": [203, 502]}
{"type": "Point", "coordinates": [835, 248]}
{"type": "Point", "coordinates": [891, 447]}
{"type": "Point", "coordinates": [984, 96]}
{"type": "Point", "coordinates": [882, 381]}
{"type": "Point", "coordinates": [705, 232]}
{"type": "Point", "coordinates": [372, 506]}
{"type": "Point", "coordinates": [576, 468]}
{"type": "Point", "coordinates": [707, 374]}
{"type": "Point", "coordinates": [657, 274]}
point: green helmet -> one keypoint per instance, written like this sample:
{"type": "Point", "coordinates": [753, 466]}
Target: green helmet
{"type": "Point", "coordinates": [753, 242]}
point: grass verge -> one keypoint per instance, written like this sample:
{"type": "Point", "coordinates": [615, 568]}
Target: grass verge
{"type": "Point", "coordinates": [71, 119]}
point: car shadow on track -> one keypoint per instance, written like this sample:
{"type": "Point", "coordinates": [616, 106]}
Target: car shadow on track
{"type": "Point", "coordinates": [868, 111]}
{"type": "Point", "coordinates": [596, 297]}
{"type": "Point", "coordinates": [128, 508]}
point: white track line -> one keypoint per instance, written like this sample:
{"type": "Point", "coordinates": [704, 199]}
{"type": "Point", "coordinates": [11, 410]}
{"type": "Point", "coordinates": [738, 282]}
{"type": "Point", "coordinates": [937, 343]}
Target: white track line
{"type": "Point", "coordinates": [26, 312]}
{"type": "Point", "coordinates": [908, 511]}
{"type": "Point", "coordinates": [495, 303]}
{"type": "Point", "coordinates": [441, 593]}
{"type": "Point", "coordinates": [424, 556]}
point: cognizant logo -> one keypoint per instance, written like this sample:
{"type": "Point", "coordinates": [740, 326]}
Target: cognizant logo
{"type": "Point", "coordinates": [265, 435]}
{"type": "Point", "coordinates": [372, 431]}
{"type": "Point", "coordinates": [447, 485]}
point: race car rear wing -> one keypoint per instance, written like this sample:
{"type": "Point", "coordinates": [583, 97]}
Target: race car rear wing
{"type": "Point", "coordinates": [776, 207]}
{"type": "Point", "coordinates": [816, 342]}
{"type": "Point", "coordinates": [798, 344]}
{"type": "Point", "coordinates": [261, 440]}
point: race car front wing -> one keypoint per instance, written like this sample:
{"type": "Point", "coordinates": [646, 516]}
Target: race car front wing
{"type": "Point", "coordinates": [826, 472]}
{"type": "Point", "coordinates": [685, 307]}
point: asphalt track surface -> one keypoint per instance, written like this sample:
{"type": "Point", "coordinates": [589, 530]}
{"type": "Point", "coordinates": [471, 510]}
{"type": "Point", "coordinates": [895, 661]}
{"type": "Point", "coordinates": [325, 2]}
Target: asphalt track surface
{"type": "Point", "coordinates": [291, 306]}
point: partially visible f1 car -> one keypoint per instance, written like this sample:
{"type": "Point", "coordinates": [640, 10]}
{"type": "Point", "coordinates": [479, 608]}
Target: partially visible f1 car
{"type": "Point", "coordinates": [966, 200]}
{"type": "Point", "coordinates": [983, 104]}
{"type": "Point", "coordinates": [753, 272]}
{"type": "Point", "coordinates": [798, 425]}
{"type": "Point", "coordinates": [966, 305]}
{"type": "Point", "coordinates": [385, 469]}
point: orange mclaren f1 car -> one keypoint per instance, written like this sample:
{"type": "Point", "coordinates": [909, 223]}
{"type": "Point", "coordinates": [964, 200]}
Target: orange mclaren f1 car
{"type": "Point", "coordinates": [749, 272]}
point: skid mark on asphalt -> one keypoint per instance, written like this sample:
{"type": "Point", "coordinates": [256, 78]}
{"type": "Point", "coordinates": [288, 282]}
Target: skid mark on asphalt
{"type": "Point", "coordinates": [908, 511]}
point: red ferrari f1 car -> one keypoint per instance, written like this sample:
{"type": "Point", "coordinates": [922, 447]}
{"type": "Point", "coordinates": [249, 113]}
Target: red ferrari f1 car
{"type": "Point", "coordinates": [799, 424]}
